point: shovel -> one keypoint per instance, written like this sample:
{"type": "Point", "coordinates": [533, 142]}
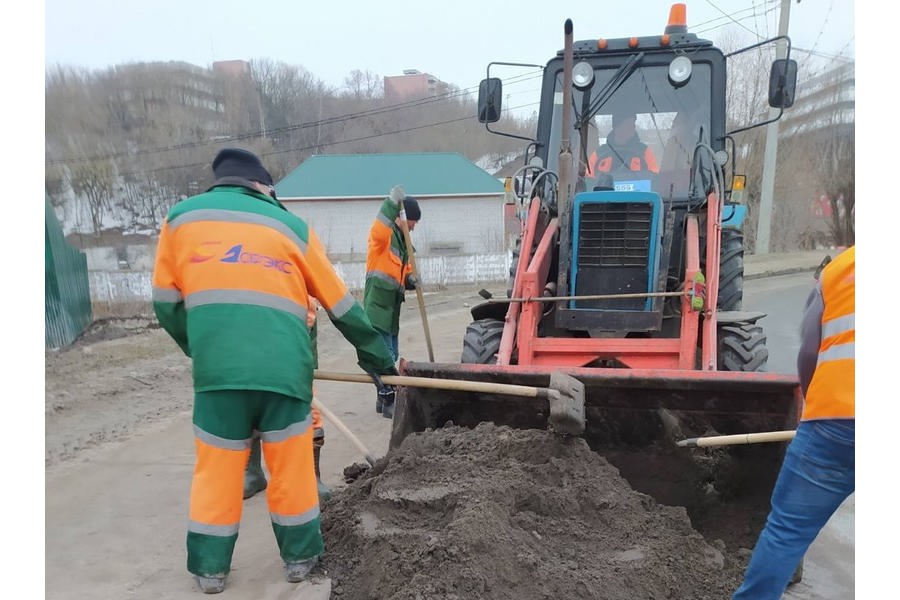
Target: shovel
{"type": "Point", "coordinates": [740, 438]}
{"type": "Point", "coordinates": [345, 430]}
{"type": "Point", "coordinates": [565, 394]}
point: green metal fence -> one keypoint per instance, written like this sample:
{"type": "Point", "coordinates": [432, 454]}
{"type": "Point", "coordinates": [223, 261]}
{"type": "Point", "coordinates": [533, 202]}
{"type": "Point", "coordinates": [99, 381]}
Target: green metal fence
{"type": "Point", "coordinates": [67, 294]}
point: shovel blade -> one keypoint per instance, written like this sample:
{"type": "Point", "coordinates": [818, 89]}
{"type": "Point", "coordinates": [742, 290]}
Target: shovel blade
{"type": "Point", "coordinates": [566, 404]}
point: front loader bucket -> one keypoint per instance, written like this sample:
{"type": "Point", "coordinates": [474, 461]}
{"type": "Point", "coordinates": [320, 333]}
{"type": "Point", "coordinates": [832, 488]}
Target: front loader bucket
{"type": "Point", "coordinates": [634, 417]}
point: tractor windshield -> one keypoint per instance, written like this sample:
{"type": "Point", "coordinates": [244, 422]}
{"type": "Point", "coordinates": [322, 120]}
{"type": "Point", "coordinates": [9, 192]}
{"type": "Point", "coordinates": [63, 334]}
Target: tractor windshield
{"type": "Point", "coordinates": [639, 133]}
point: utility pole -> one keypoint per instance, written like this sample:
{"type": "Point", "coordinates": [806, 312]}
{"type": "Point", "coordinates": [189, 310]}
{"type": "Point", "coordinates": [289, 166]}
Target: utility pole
{"type": "Point", "coordinates": [764, 225]}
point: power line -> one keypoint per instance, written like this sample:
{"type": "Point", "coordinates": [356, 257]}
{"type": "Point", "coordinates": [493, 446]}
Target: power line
{"type": "Point", "coordinates": [314, 146]}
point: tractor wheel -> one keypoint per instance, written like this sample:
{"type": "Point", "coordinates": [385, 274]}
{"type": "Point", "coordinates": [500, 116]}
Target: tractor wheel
{"type": "Point", "coordinates": [731, 270]}
{"type": "Point", "coordinates": [482, 342]}
{"type": "Point", "coordinates": [742, 347]}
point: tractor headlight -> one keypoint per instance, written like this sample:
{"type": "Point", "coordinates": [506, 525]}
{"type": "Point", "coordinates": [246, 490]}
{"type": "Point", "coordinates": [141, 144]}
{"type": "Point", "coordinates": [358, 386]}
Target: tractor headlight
{"type": "Point", "coordinates": [582, 75]}
{"type": "Point", "coordinates": [680, 70]}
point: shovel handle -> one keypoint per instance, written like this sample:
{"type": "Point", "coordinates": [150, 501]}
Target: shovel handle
{"type": "Point", "coordinates": [741, 438]}
{"type": "Point", "coordinates": [440, 384]}
{"type": "Point", "coordinates": [345, 430]}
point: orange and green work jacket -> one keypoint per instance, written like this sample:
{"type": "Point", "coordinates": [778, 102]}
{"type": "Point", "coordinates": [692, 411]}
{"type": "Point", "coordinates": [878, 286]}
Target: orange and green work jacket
{"type": "Point", "coordinates": [233, 283]}
{"type": "Point", "coordinates": [831, 391]}
{"type": "Point", "coordinates": [387, 265]}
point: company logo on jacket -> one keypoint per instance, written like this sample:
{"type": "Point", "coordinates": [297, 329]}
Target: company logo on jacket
{"type": "Point", "coordinates": [236, 254]}
{"type": "Point", "coordinates": [203, 252]}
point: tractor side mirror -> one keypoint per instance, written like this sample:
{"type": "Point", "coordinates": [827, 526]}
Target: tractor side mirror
{"type": "Point", "coordinates": [490, 100]}
{"type": "Point", "coordinates": [782, 83]}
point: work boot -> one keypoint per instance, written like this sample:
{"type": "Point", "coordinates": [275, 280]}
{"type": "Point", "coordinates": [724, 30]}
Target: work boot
{"type": "Point", "coordinates": [254, 478]}
{"type": "Point", "coordinates": [296, 572]}
{"type": "Point", "coordinates": [379, 403]}
{"type": "Point", "coordinates": [387, 403]}
{"type": "Point", "coordinates": [210, 584]}
{"type": "Point", "coordinates": [324, 490]}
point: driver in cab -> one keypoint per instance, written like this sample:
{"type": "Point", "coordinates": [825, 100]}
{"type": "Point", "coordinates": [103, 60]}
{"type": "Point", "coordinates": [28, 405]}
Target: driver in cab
{"type": "Point", "coordinates": [623, 149]}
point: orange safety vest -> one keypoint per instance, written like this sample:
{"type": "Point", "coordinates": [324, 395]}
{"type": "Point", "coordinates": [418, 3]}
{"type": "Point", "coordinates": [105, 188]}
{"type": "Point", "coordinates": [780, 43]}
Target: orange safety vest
{"type": "Point", "coordinates": [644, 161]}
{"type": "Point", "coordinates": [832, 391]}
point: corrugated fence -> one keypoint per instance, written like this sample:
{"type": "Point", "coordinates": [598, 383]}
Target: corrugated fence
{"type": "Point", "coordinates": [67, 296]}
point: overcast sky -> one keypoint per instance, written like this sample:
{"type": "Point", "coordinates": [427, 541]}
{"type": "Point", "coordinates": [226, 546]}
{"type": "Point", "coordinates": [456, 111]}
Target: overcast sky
{"type": "Point", "coordinates": [454, 41]}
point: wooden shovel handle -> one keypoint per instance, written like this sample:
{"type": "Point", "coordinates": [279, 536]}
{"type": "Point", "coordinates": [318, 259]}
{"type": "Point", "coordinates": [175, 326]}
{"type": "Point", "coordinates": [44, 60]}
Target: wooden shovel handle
{"type": "Point", "coordinates": [486, 387]}
{"type": "Point", "coordinates": [740, 438]}
{"type": "Point", "coordinates": [345, 430]}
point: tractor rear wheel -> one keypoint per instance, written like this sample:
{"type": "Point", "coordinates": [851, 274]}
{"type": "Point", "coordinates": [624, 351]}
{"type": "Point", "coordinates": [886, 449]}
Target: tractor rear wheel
{"type": "Point", "coordinates": [742, 347]}
{"type": "Point", "coordinates": [482, 342]}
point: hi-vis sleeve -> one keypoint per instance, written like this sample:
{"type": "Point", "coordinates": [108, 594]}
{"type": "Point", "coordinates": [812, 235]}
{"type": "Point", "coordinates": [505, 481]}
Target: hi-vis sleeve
{"type": "Point", "coordinates": [344, 311]}
{"type": "Point", "coordinates": [168, 300]}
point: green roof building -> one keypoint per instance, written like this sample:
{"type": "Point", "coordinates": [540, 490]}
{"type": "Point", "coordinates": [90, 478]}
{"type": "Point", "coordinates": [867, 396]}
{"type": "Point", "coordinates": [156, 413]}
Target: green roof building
{"type": "Point", "coordinates": [339, 195]}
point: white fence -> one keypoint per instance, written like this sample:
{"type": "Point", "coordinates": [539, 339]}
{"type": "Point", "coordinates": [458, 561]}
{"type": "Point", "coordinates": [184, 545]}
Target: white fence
{"type": "Point", "coordinates": [114, 287]}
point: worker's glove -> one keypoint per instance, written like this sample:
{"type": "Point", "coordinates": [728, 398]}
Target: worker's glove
{"type": "Point", "coordinates": [411, 282]}
{"type": "Point", "coordinates": [398, 195]}
{"type": "Point", "coordinates": [382, 386]}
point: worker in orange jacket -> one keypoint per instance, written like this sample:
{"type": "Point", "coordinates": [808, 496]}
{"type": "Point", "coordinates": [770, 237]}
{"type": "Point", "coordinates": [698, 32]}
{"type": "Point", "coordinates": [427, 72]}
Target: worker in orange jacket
{"type": "Point", "coordinates": [623, 149]}
{"type": "Point", "coordinates": [233, 281]}
{"type": "Point", "coordinates": [388, 277]}
{"type": "Point", "coordinates": [819, 468]}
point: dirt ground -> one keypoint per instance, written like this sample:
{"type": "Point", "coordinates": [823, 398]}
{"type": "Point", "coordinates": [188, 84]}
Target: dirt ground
{"type": "Point", "coordinates": [453, 513]}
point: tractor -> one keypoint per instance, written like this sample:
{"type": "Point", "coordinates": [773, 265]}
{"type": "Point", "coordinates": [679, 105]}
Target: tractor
{"type": "Point", "coordinates": [628, 274]}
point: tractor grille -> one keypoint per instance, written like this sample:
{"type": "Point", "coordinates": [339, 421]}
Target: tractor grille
{"type": "Point", "coordinates": [613, 253]}
{"type": "Point", "coordinates": [614, 234]}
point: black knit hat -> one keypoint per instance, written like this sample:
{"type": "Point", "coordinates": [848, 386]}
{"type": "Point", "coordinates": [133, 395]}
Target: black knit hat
{"type": "Point", "coordinates": [413, 212]}
{"type": "Point", "coordinates": [234, 162]}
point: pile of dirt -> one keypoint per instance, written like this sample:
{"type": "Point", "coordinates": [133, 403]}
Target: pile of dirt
{"type": "Point", "coordinates": [495, 512]}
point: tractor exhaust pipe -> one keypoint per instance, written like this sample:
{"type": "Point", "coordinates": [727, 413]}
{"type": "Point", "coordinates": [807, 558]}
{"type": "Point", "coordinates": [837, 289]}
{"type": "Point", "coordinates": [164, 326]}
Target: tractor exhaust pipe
{"type": "Point", "coordinates": [565, 143]}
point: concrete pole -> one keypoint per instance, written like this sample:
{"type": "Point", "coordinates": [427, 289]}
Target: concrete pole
{"type": "Point", "coordinates": [764, 225]}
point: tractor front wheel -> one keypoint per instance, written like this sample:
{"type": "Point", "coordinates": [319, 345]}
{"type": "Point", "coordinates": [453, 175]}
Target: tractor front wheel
{"type": "Point", "coordinates": [482, 342]}
{"type": "Point", "coordinates": [742, 347]}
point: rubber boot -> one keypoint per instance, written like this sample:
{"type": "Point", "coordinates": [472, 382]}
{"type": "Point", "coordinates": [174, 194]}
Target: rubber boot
{"type": "Point", "coordinates": [379, 403]}
{"type": "Point", "coordinates": [254, 478]}
{"type": "Point", "coordinates": [324, 490]}
{"type": "Point", "coordinates": [387, 403]}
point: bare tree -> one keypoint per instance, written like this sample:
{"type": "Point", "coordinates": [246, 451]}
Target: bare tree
{"type": "Point", "coordinates": [94, 181]}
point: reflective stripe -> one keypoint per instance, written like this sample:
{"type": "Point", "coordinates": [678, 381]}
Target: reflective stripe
{"type": "Point", "coordinates": [384, 277]}
{"type": "Point", "coordinates": [215, 530]}
{"type": "Point", "coordinates": [237, 216]}
{"type": "Point", "coordinates": [279, 435]}
{"type": "Point", "coordinates": [167, 295]}
{"type": "Point", "coordinates": [291, 520]}
{"type": "Point", "coordinates": [839, 325]}
{"type": "Point", "coordinates": [838, 352]}
{"type": "Point", "coordinates": [342, 306]}
{"type": "Point", "coordinates": [384, 219]}
{"type": "Point", "coordinates": [245, 297]}
{"type": "Point", "coordinates": [220, 442]}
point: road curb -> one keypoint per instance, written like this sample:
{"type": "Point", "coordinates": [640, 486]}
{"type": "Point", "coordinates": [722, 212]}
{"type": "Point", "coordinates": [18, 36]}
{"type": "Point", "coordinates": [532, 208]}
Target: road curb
{"type": "Point", "coordinates": [776, 272]}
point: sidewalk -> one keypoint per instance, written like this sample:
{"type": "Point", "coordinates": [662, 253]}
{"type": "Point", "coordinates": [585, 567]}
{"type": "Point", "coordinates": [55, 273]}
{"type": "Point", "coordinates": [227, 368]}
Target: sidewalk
{"type": "Point", "coordinates": [783, 263]}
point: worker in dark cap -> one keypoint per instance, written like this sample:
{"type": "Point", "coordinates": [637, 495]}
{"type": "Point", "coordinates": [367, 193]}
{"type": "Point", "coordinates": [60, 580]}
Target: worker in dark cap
{"type": "Point", "coordinates": [233, 283]}
{"type": "Point", "coordinates": [623, 150]}
{"type": "Point", "coordinates": [388, 276]}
